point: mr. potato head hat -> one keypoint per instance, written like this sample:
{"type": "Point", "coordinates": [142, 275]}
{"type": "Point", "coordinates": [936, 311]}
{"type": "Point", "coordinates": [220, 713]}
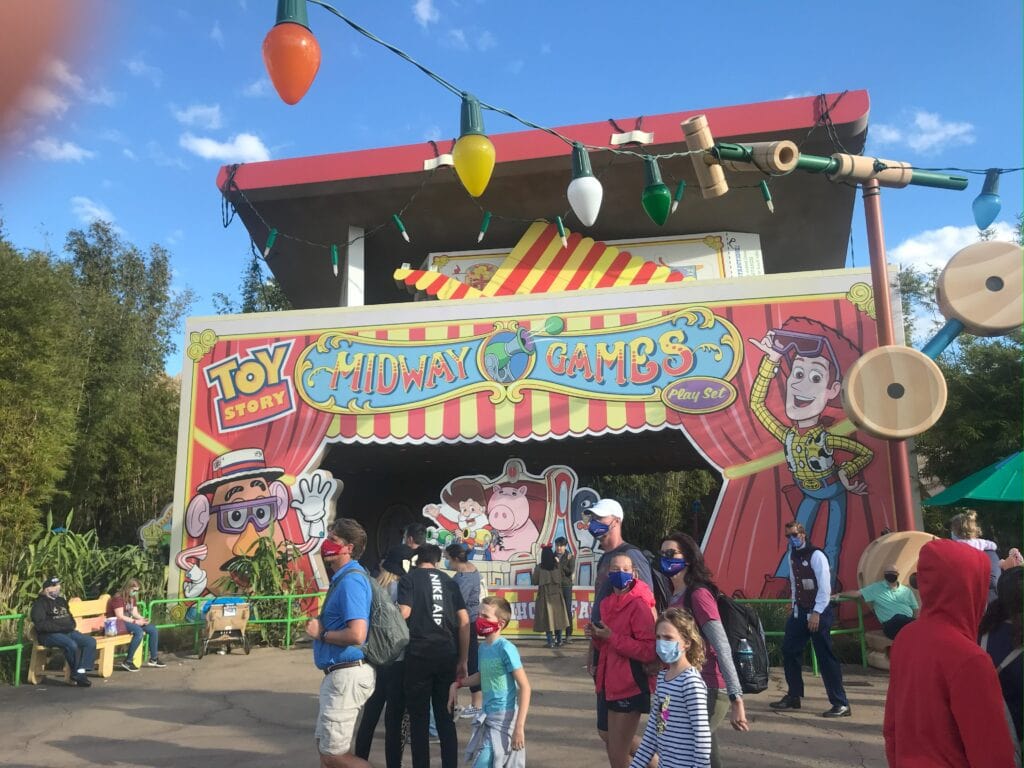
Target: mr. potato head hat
{"type": "Point", "coordinates": [238, 465]}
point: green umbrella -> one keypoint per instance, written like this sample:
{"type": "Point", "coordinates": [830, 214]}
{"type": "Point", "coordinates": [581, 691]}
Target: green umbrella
{"type": "Point", "coordinates": [1002, 481]}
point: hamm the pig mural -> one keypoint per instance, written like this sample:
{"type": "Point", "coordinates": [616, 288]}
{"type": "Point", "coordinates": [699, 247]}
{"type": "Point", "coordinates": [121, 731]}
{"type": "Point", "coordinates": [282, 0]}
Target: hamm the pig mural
{"type": "Point", "coordinates": [504, 521]}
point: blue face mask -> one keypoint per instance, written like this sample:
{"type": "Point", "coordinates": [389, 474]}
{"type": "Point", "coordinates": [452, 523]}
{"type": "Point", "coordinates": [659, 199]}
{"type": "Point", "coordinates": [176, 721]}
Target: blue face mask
{"type": "Point", "coordinates": [620, 579]}
{"type": "Point", "coordinates": [668, 650]}
{"type": "Point", "coordinates": [598, 529]}
{"type": "Point", "coordinates": [794, 542]}
{"type": "Point", "coordinates": [670, 566]}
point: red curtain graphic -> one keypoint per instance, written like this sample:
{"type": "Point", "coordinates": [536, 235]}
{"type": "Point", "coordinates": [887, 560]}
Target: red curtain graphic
{"type": "Point", "coordinates": [744, 544]}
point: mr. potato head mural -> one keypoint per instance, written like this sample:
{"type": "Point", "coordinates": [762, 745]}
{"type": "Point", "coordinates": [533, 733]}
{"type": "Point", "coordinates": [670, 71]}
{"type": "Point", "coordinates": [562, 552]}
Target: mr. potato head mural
{"type": "Point", "coordinates": [243, 500]}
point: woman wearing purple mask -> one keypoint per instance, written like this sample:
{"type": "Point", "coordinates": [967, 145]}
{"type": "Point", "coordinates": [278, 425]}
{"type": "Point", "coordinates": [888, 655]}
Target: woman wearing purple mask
{"type": "Point", "coordinates": [693, 590]}
{"type": "Point", "coordinates": [625, 643]}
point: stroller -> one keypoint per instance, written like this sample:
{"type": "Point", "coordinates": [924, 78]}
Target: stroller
{"type": "Point", "coordinates": [225, 624]}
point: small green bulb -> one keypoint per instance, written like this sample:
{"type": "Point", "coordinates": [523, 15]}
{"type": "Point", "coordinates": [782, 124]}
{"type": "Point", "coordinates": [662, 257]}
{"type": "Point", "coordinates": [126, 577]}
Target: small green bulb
{"type": "Point", "coordinates": [657, 202]}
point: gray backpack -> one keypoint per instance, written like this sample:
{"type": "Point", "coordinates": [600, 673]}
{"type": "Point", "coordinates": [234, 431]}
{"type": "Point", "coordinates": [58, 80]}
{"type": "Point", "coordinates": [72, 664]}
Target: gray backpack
{"type": "Point", "coordinates": [387, 634]}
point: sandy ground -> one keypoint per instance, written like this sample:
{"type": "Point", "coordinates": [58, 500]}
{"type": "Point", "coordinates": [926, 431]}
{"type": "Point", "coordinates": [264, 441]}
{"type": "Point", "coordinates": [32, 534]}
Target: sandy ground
{"type": "Point", "coordinates": [259, 710]}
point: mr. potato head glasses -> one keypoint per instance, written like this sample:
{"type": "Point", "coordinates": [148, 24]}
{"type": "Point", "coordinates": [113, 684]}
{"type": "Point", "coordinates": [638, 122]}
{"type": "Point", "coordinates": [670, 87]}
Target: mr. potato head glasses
{"type": "Point", "coordinates": [232, 518]}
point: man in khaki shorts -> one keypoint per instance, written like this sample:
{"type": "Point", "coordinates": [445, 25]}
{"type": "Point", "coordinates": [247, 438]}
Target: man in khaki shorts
{"type": "Point", "coordinates": [338, 636]}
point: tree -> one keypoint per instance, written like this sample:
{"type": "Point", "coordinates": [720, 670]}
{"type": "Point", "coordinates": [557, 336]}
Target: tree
{"type": "Point", "coordinates": [258, 293]}
{"type": "Point", "coordinates": [41, 374]}
{"type": "Point", "coordinates": [122, 464]}
{"type": "Point", "coordinates": [982, 422]}
{"type": "Point", "coordinates": [657, 503]}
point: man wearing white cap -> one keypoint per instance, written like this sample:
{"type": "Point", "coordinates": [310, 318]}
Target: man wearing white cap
{"type": "Point", "coordinates": [606, 526]}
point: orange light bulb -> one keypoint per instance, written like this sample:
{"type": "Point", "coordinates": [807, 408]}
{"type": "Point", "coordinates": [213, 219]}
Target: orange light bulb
{"type": "Point", "coordinates": [292, 57]}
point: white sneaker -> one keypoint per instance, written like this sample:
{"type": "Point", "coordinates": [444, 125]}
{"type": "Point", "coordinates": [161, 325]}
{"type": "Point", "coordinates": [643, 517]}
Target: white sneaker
{"type": "Point", "coordinates": [468, 713]}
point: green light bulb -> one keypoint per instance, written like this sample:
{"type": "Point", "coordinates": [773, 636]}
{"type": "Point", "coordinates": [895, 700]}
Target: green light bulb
{"type": "Point", "coordinates": [656, 199]}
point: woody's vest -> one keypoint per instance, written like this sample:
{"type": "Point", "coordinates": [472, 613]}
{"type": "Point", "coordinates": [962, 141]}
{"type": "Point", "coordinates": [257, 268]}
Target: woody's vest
{"type": "Point", "coordinates": [803, 575]}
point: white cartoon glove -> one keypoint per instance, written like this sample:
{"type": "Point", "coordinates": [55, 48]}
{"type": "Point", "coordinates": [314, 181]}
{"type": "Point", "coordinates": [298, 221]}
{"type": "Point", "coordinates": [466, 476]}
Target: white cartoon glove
{"type": "Point", "coordinates": [195, 581]}
{"type": "Point", "coordinates": [310, 501]}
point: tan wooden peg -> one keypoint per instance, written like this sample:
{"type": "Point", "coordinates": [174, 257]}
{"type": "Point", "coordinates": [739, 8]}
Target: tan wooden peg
{"type": "Point", "coordinates": [982, 287]}
{"type": "Point", "coordinates": [894, 392]}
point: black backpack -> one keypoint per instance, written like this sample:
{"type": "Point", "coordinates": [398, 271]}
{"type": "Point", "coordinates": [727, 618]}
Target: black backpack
{"type": "Point", "coordinates": [741, 622]}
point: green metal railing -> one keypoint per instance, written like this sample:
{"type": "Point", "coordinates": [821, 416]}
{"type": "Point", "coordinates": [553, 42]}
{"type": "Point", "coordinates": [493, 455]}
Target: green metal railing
{"type": "Point", "coordinates": [856, 630]}
{"type": "Point", "coordinates": [294, 616]}
{"type": "Point", "coordinates": [18, 647]}
{"type": "Point", "coordinates": [291, 615]}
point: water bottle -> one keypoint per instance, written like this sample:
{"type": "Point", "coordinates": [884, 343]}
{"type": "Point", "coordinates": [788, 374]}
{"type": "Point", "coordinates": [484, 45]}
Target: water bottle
{"type": "Point", "coordinates": [745, 655]}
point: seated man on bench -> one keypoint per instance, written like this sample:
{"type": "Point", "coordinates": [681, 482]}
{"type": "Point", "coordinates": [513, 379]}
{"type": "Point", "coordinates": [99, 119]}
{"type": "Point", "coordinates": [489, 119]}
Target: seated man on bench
{"type": "Point", "coordinates": [55, 627]}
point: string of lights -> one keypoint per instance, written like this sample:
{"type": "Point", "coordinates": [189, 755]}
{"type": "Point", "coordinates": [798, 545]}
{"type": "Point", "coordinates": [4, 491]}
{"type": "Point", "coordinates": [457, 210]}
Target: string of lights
{"type": "Point", "coordinates": [292, 57]}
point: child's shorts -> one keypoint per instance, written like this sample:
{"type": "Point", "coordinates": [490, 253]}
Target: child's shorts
{"type": "Point", "coordinates": [641, 703]}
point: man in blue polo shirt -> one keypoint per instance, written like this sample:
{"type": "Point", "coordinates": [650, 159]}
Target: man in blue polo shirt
{"type": "Point", "coordinates": [338, 636]}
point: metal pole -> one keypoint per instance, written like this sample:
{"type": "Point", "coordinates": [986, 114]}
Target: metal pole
{"type": "Point", "coordinates": [899, 460]}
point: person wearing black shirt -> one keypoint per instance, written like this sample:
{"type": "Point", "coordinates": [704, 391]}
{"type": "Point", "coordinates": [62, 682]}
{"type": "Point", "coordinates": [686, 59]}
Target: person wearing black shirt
{"type": "Point", "coordinates": [55, 627]}
{"type": "Point", "coordinates": [436, 655]}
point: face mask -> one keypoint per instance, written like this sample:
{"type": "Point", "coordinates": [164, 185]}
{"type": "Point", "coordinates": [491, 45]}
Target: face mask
{"type": "Point", "coordinates": [485, 627]}
{"type": "Point", "coordinates": [620, 579]}
{"type": "Point", "coordinates": [794, 541]}
{"type": "Point", "coordinates": [598, 529]}
{"type": "Point", "coordinates": [670, 566]}
{"type": "Point", "coordinates": [891, 577]}
{"type": "Point", "coordinates": [668, 650]}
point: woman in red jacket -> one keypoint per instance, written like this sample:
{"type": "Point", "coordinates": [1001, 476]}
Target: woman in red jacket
{"type": "Point", "coordinates": [625, 643]}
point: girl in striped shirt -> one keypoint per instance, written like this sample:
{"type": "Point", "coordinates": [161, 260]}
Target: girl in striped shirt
{"type": "Point", "coordinates": [677, 727]}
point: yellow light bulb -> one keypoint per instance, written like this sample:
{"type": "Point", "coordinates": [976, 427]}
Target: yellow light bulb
{"type": "Point", "coordinates": [474, 162]}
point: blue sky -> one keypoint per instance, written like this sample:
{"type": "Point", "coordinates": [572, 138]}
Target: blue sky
{"type": "Point", "coordinates": [133, 122]}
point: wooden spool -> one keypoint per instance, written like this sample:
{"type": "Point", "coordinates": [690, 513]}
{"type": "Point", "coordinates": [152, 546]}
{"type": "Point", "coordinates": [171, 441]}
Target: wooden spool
{"type": "Point", "coordinates": [765, 156]}
{"type": "Point", "coordinates": [896, 173]}
{"type": "Point", "coordinates": [981, 286]}
{"type": "Point", "coordinates": [711, 178]}
{"type": "Point", "coordinates": [900, 549]}
{"type": "Point", "coordinates": [894, 392]}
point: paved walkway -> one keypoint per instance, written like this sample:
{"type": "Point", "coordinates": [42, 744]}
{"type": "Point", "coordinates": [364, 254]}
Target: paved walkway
{"type": "Point", "coordinates": [258, 710]}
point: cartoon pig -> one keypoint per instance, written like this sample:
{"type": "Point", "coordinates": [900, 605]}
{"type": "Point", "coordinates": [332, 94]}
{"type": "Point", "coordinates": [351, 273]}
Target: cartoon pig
{"type": "Point", "coordinates": [508, 512]}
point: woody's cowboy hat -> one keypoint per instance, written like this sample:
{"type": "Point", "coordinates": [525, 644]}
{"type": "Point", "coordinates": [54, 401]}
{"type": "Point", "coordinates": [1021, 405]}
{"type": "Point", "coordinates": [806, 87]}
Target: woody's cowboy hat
{"type": "Point", "coordinates": [238, 465]}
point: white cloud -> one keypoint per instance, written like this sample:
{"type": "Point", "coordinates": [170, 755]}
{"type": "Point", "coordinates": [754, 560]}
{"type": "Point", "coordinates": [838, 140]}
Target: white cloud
{"type": "Point", "coordinates": [156, 154]}
{"type": "Point", "coordinates": [129, 154]}
{"type": "Point", "coordinates": [42, 102]}
{"type": "Point", "coordinates": [61, 72]}
{"type": "Point", "coordinates": [486, 41]}
{"type": "Point", "coordinates": [925, 132]}
{"type": "Point", "coordinates": [139, 68]}
{"type": "Point", "coordinates": [433, 133]}
{"type": "Point", "coordinates": [88, 210]}
{"type": "Point", "coordinates": [802, 95]}
{"type": "Point", "coordinates": [199, 115]}
{"type": "Point", "coordinates": [425, 12]}
{"type": "Point", "coordinates": [515, 66]}
{"type": "Point", "coordinates": [49, 148]}
{"type": "Point", "coordinates": [457, 39]}
{"type": "Point", "coordinates": [257, 88]}
{"type": "Point", "coordinates": [242, 148]}
{"type": "Point", "coordinates": [175, 237]}
{"type": "Point", "coordinates": [935, 247]}
{"type": "Point", "coordinates": [216, 35]}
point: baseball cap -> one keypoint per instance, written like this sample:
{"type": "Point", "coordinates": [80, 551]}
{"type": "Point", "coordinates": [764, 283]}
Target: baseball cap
{"type": "Point", "coordinates": [606, 508]}
{"type": "Point", "coordinates": [53, 581]}
{"type": "Point", "coordinates": [891, 568]}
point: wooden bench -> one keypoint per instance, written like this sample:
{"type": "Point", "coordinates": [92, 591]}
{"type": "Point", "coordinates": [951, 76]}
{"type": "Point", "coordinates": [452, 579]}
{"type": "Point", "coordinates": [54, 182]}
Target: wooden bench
{"type": "Point", "coordinates": [89, 617]}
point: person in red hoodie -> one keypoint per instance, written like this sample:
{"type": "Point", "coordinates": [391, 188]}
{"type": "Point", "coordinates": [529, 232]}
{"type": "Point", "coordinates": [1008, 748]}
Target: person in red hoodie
{"type": "Point", "coordinates": [625, 642]}
{"type": "Point", "coordinates": [944, 708]}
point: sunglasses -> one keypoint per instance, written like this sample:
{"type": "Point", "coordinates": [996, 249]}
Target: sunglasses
{"type": "Point", "coordinates": [804, 345]}
{"type": "Point", "coordinates": [232, 518]}
{"type": "Point", "coordinates": [670, 553]}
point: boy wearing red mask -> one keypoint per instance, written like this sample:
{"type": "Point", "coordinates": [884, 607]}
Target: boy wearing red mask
{"type": "Point", "coordinates": [499, 732]}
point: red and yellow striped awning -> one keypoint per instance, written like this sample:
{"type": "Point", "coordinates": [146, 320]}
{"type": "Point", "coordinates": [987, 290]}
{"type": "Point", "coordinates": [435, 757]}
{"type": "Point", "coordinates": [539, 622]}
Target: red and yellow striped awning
{"type": "Point", "coordinates": [540, 264]}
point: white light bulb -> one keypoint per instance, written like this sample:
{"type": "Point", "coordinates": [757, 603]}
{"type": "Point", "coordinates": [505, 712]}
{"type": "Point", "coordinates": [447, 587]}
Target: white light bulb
{"type": "Point", "coordinates": [585, 193]}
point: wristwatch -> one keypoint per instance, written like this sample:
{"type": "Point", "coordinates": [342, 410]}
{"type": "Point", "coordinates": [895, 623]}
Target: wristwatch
{"type": "Point", "coordinates": [735, 696]}
{"type": "Point", "coordinates": [323, 635]}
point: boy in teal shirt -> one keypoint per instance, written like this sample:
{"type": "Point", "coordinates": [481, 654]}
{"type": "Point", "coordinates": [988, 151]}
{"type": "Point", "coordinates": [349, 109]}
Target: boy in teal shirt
{"type": "Point", "coordinates": [895, 604]}
{"type": "Point", "coordinates": [499, 733]}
